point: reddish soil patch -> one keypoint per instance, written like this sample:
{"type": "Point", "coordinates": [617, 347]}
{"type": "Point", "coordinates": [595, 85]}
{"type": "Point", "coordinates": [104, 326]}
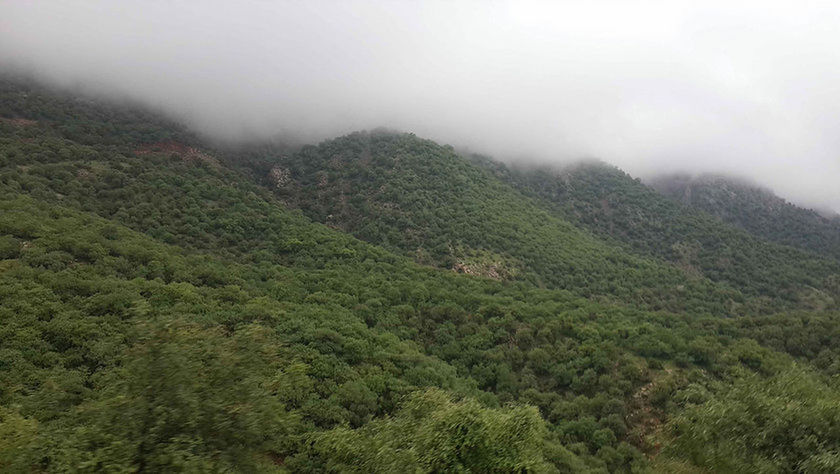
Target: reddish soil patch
{"type": "Point", "coordinates": [19, 122]}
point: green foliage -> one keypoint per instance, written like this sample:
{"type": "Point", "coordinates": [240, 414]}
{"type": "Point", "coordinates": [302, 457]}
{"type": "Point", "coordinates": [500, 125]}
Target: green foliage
{"type": "Point", "coordinates": [431, 433]}
{"type": "Point", "coordinates": [18, 438]}
{"type": "Point", "coordinates": [756, 210]}
{"type": "Point", "coordinates": [787, 423]}
{"type": "Point", "coordinates": [421, 199]}
{"type": "Point", "coordinates": [618, 208]}
{"type": "Point", "coordinates": [79, 356]}
{"type": "Point", "coordinates": [183, 399]}
{"type": "Point", "coordinates": [161, 311]}
{"type": "Point", "coordinates": [9, 247]}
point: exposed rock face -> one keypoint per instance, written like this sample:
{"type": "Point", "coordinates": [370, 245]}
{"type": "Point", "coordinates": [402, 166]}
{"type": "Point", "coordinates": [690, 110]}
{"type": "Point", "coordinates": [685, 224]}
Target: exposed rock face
{"type": "Point", "coordinates": [279, 176]}
{"type": "Point", "coordinates": [488, 271]}
{"type": "Point", "coordinates": [187, 153]}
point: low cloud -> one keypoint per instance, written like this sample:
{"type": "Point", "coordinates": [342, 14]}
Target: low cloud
{"type": "Point", "coordinates": [743, 88]}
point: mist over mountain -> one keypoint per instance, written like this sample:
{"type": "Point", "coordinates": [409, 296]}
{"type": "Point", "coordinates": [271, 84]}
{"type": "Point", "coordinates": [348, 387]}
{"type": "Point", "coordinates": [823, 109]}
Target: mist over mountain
{"type": "Point", "coordinates": [233, 237]}
{"type": "Point", "coordinates": [381, 300]}
{"type": "Point", "coordinates": [745, 89]}
{"type": "Point", "coordinates": [756, 210]}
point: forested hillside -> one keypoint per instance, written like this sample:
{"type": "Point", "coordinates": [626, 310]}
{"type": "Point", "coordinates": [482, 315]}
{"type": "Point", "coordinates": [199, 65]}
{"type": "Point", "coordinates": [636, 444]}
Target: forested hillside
{"type": "Point", "coordinates": [755, 210]}
{"type": "Point", "coordinates": [160, 311]}
{"type": "Point", "coordinates": [620, 209]}
{"type": "Point", "coordinates": [418, 198]}
{"type": "Point", "coordinates": [423, 200]}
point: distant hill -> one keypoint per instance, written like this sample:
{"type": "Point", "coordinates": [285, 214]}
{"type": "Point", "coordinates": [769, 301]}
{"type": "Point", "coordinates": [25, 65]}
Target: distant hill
{"type": "Point", "coordinates": [756, 210]}
{"type": "Point", "coordinates": [618, 208]}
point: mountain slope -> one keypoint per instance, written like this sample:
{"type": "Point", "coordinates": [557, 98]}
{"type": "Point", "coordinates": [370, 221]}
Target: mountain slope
{"type": "Point", "coordinates": [161, 312]}
{"type": "Point", "coordinates": [421, 199]}
{"type": "Point", "coordinates": [755, 210]}
{"type": "Point", "coordinates": [618, 208]}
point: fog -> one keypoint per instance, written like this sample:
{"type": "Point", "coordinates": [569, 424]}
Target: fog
{"type": "Point", "coordinates": [751, 89]}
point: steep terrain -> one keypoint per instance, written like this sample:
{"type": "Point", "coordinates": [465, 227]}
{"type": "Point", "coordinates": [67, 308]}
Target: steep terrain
{"type": "Point", "coordinates": [755, 210]}
{"type": "Point", "coordinates": [616, 207]}
{"type": "Point", "coordinates": [161, 312]}
{"type": "Point", "coordinates": [590, 229]}
{"type": "Point", "coordinates": [418, 198]}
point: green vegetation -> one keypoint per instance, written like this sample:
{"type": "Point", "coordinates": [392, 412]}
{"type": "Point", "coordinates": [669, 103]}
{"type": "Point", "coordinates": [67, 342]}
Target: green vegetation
{"type": "Point", "coordinates": [160, 311]}
{"type": "Point", "coordinates": [421, 199]}
{"type": "Point", "coordinates": [433, 434]}
{"type": "Point", "coordinates": [620, 209]}
{"type": "Point", "coordinates": [787, 423]}
{"type": "Point", "coordinates": [755, 210]}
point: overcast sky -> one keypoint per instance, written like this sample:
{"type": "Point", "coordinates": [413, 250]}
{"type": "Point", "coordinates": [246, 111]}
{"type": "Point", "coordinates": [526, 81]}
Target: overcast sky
{"type": "Point", "coordinates": [749, 88]}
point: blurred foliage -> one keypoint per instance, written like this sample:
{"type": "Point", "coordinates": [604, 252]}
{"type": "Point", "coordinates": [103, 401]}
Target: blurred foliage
{"type": "Point", "coordinates": [786, 423]}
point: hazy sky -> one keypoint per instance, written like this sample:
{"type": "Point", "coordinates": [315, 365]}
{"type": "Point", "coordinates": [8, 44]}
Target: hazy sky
{"type": "Point", "coordinates": [751, 88]}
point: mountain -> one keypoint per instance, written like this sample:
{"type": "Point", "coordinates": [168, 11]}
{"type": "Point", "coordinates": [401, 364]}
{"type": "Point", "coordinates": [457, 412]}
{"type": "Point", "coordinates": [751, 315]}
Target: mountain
{"type": "Point", "coordinates": [420, 199]}
{"type": "Point", "coordinates": [590, 229]}
{"type": "Point", "coordinates": [618, 208]}
{"type": "Point", "coordinates": [162, 310]}
{"type": "Point", "coordinates": [756, 210]}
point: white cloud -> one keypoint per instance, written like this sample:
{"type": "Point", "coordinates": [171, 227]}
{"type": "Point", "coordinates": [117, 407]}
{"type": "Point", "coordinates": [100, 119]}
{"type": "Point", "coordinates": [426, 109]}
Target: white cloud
{"type": "Point", "coordinates": [749, 88]}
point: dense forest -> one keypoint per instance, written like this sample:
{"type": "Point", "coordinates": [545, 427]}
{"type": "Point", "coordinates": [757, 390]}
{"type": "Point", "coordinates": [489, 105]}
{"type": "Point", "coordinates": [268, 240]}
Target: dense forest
{"type": "Point", "coordinates": [620, 209]}
{"type": "Point", "coordinates": [590, 229]}
{"type": "Point", "coordinates": [379, 303]}
{"type": "Point", "coordinates": [755, 209]}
